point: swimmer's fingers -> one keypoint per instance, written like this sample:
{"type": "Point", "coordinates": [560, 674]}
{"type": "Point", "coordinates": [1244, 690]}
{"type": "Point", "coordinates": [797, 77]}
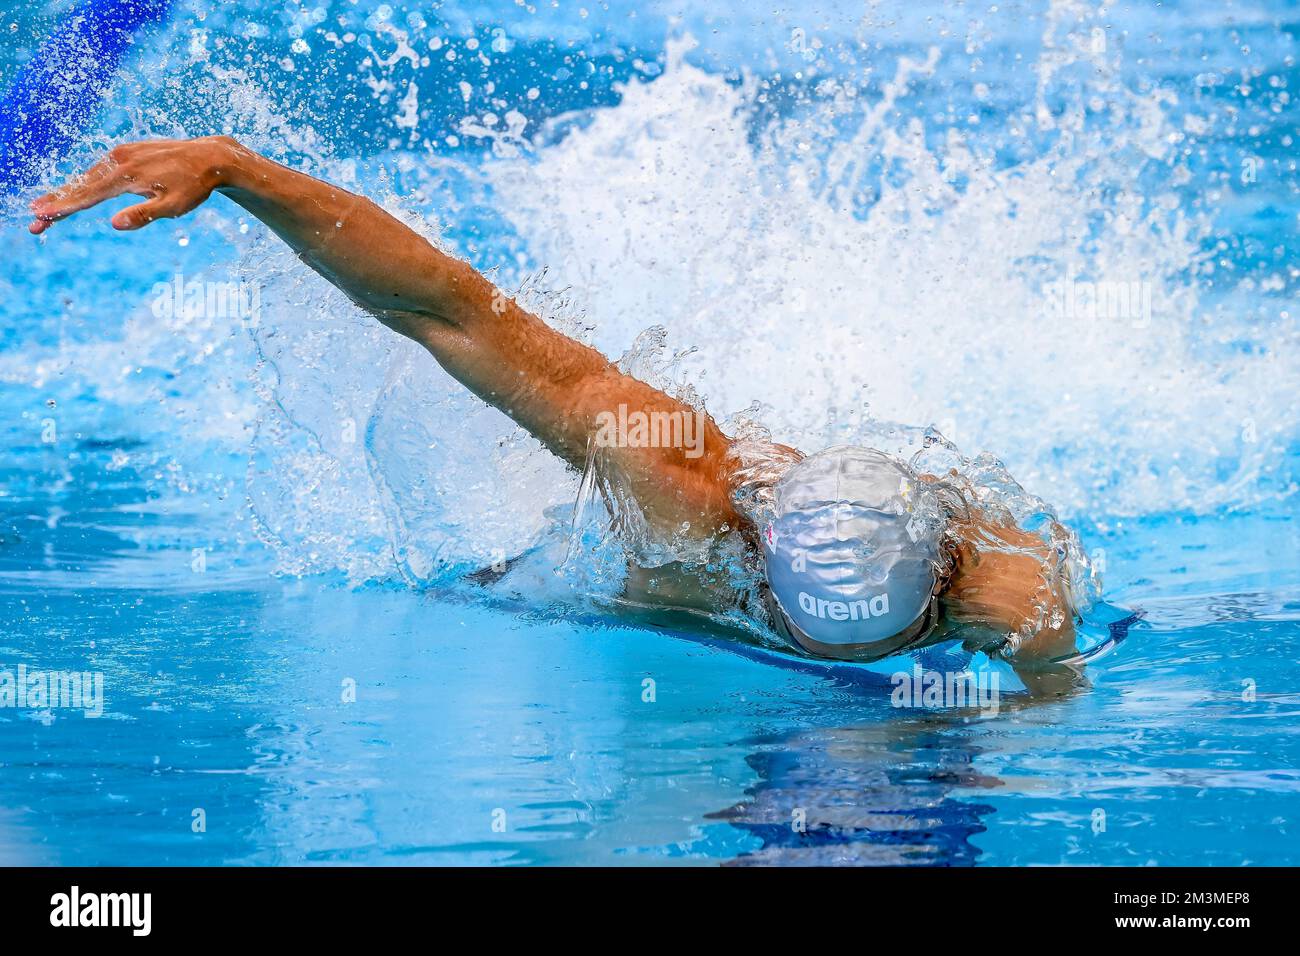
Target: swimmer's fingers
{"type": "Point", "coordinates": [142, 213]}
{"type": "Point", "coordinates": [107, 178]}
{"type": "Point", "coordinates": [174, 178]}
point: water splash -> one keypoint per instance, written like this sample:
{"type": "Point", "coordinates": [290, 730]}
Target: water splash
{"type": "Point", "coordinates": [849, 260]}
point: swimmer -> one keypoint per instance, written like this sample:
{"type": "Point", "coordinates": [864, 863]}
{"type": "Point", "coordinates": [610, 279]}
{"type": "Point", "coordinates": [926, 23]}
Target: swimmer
{"type": "Point", "coordinates": [856, 565]}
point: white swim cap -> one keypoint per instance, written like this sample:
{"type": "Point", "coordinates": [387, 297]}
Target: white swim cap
{"type": "Point", "coordinates": [852, 554]}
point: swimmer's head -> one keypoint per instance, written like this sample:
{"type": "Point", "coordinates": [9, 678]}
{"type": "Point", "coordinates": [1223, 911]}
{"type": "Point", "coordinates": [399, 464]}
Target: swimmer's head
{"type": "Point", "coordinates": [853, 554]}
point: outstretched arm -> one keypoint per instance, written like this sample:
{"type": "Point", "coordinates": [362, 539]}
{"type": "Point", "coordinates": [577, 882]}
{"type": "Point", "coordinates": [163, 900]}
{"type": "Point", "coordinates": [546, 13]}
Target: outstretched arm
{"type": "Point", "coordinates": [552, 385]}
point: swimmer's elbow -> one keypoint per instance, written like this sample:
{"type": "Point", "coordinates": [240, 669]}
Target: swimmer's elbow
{"type": "Point", "coordinates": [411, 286]}
{"type": "Point", "coordinates": [456, 296]}
{"type": "Point", "coordinates": [418, 326]}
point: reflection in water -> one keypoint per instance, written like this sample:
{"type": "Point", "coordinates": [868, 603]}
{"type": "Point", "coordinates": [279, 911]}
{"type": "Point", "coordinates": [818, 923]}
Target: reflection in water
{"type": "Point", "coordinates": [878, 794]}
{"type": "Point", "coordinates": [882, 793]}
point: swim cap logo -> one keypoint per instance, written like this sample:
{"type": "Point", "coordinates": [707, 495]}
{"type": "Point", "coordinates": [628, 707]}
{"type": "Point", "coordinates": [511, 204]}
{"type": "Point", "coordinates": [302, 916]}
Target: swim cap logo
{"type": "Point", "coordinates": [844, 610]}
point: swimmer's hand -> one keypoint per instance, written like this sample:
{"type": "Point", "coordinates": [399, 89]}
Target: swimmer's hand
{"type": "Point", "coordinates": [174, 176]}
{"type": "Point", "coordinates": [377, 261]}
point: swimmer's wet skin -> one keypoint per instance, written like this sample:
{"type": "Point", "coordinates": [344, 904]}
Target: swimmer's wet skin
{"type": "Point", "coordinates": [849, 575]}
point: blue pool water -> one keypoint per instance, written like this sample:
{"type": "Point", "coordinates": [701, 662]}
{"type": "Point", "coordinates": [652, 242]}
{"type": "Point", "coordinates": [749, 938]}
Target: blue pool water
{"type": "Point", "coordinates": [255, 530]}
